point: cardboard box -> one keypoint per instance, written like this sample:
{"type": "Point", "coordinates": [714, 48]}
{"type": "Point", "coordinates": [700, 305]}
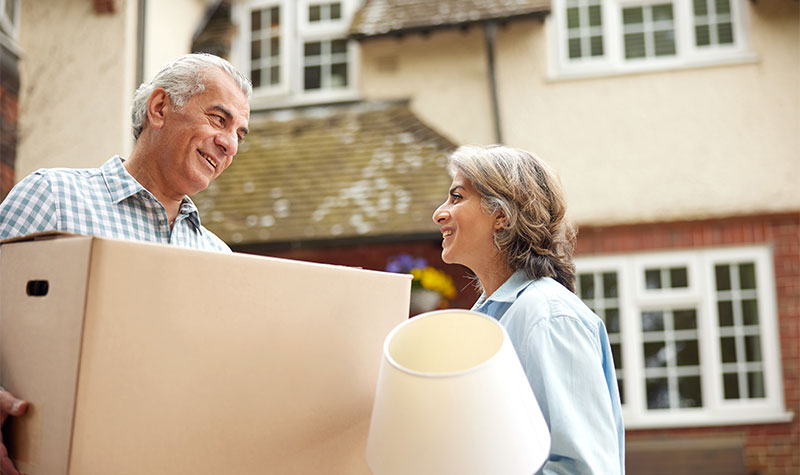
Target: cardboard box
{"type": "Point", "coordinates": [143, 358]}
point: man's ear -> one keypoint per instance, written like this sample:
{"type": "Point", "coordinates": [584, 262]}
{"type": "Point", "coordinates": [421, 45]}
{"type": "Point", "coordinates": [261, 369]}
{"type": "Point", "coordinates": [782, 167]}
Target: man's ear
{"type": "Point", "coordinates": [157, 105]}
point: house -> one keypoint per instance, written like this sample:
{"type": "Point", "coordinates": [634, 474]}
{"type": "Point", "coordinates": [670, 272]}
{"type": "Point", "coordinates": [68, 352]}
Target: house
{"type": "Point", "coordinates": [672, 124]}
{"type": "Point", "coordinates": [9, 92]}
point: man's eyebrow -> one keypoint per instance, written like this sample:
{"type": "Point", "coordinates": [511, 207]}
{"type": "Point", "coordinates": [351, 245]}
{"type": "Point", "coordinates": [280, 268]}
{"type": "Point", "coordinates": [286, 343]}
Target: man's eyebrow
{"type": "Point", "coordinates": [228, 114]}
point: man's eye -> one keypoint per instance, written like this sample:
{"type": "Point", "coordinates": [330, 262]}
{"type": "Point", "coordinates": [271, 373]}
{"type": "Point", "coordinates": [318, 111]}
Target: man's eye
{"type": "Point", "coordinates": [219, 119]}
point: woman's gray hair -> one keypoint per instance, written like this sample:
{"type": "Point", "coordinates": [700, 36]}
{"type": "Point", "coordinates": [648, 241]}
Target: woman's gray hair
{"type": "Point", "coordinates": [182, 78]}
{"type": "Point", "coordinates": [536, 236]}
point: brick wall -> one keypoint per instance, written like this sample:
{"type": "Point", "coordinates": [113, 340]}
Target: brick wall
{"type": "Point", "coordinates": [9, 94]}
{"type": "Point", "coordinates": [767, 449]}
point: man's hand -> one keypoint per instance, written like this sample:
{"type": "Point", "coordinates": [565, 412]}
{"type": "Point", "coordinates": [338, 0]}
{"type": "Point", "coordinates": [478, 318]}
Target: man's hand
{"type": "Point", "coordinates": [9, 406]}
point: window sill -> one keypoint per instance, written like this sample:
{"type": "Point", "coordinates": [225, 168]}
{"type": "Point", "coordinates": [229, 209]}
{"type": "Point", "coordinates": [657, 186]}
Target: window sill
{"type": "Point", "coordinates": [672, 420]}
{"type": "Point", "coordinates": [266, 101]}
{"type": "Point", "coordinates": [601, 71]}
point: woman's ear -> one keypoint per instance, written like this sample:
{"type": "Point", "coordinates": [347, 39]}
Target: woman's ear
{"type": "Point", "coordinates": [157, 105]}
{"type": "Point", "coordinates": [499, 221]}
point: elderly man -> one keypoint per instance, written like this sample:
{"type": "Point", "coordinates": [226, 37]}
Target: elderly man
{"type": "Point", "coordinates": [187, 126]}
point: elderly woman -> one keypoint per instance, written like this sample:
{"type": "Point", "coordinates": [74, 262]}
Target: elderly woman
{"type": "Point", "coordinates": [504, 219]}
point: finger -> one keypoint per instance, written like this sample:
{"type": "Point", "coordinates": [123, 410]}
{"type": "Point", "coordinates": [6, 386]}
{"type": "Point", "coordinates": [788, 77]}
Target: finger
{"type": "Point", "coordinates": [11, 405]}
{"type": "Point", "coordinates": [7, 467]}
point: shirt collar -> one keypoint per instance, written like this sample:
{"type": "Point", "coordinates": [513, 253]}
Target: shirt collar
{"type": "Point", "coordinates": [511, 288]}
{"type": "Point", "coordinates": [122, 185]}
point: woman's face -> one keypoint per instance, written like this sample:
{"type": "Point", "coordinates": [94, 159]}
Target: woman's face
{"type": "Point", "coordinates": [467, 230]}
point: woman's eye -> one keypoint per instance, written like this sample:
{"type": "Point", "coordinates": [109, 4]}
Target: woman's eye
{"type": "Point", "coordinates": [454, 197]}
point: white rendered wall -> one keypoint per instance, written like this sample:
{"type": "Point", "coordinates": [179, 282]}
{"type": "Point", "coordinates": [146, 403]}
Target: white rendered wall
{"type": "Point", "coordinates": [677, 144]}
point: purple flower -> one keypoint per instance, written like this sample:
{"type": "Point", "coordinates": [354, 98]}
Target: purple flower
{"type": "Point", "coordinates": [403, 263]}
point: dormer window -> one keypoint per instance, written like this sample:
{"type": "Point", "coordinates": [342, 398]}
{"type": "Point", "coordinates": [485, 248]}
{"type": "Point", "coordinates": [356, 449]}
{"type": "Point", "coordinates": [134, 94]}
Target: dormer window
{"type": "Point", "coordinates": [296, 51]}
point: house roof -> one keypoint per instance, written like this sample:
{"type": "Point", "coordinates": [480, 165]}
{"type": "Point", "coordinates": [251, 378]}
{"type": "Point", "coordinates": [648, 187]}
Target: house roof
{"type": "Point", "coordinates": [386, 17]}
{"type": "Point", "coordinates": [336, 172]}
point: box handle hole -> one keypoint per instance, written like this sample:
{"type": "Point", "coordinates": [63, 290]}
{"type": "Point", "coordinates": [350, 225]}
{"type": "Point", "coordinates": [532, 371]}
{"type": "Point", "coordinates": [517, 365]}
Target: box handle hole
{"type": "Point", "coordinates": [38, 288]}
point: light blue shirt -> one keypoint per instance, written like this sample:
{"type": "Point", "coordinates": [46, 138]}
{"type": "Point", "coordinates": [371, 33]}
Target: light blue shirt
{"type": "Point", "coordinates": [564, 349]}
{"type": "Point", "coordinates": [106, 202]}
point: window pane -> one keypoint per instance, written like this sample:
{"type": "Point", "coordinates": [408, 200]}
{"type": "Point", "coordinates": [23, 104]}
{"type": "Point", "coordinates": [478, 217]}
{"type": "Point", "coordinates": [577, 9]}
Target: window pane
{"type": "Point", "coordinates": [573, 18]}
{"type": "Point", "coordinates": [657, 393]}
{"type": "Point", "coordinates": [685, 319]}
{"type": "Point", "coordinates": [655, 355]}
{"type": "Point", "coordinates": [700, 7]}
{"type": "Point", "coordinates": [662, 12]}
{"type": "Point", "coordinates": [728, 347]}
{"type": "Point", "coordinates": [689, 391]}
{"type": "Point", "coordinates": [336, 11]}
{"type": "Point", "coordinates": [665, 43]}
{"type": "Point", "coordinates": [274, 46]}
{"type": "Point", "coordinates": [730, 382]}
{"type": "Point", "coordinates": [752, 348]}
{"type": "Point", "coordinates": [723, 274]}
{"type": "Point", "coordinates": [275, 75]}
{"type": "Point", "coordinates": [255, 77]}
{"type": "Point", "coordinates": [276, 17]}
{"type": "Point", "coordinates": [339, 75]}
{"type": "Point", "coordinates": [596, 44]}
{"type": "Point", "coordinates": [339, 46]}
{"type": "Point", "coordinates": [610, 285]}
{"type": "Point", "coordinates": [255, 20]}
{"type": "Point", "coordinates": [575, 48]}
{"type": "Point", "coordinates": [595, 17]}
{"type": "Point", "coordinates": [652, 321]}
{"type": "Point", "coordinates": [750, 312]}
{"type": "Point", "coordinates": [652, 277]}
{"type": "Point", "coordinates": [314, 13]}
{"type": "Point", "coordinates": [586, 286]}
{"type": "Point", "coordinates": [755, 385]}
{"type": "Point", "coordinates": [612, 320]}
{"type": "Point", "coordinates": [687, 353]}
{"type": "Point", "coordinates": [632, 15]}
{"type": "Point", "coordinates": [725, 33]}
{"type": "Point", "coordinates": [313, 77]}
{"type": "Point", "coordinates": [255, 49]}
{"type": "Point", "coordinates": [616, 352]}
{"type": "Point", "coordinates": [702, 35]}
{"type": "Point", "coordinates": [722, 6]}
{"type": "Point", "coordinates": [678, 275]}
{"type": "Point", "coordinates": [312, 49]}
{"type": "Point", "coordinates": [725, 311]}
{"type": "Point", "coordinates": [747, 276]}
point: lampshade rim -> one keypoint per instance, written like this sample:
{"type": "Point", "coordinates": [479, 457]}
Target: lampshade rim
{"type": "Point", "coordinates": [449, 374]}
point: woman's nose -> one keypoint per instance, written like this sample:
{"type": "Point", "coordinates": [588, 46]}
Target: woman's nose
{"type": "Point", "coordinates": [440, 215]}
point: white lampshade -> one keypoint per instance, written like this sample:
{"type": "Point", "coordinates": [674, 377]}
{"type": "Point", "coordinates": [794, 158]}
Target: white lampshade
{"type": "Point", "coordinates": [452, 398]}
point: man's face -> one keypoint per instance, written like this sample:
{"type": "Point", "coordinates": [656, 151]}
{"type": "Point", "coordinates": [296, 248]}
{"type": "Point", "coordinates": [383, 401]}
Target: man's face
{"type": "Point", "coordinates": [200, 139]}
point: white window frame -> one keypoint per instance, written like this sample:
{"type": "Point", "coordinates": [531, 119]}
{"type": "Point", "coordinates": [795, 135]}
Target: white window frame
{"type": "Point", "coordinates": [295, 31]}
{"type": "Point", "coordinates": [9, 27]}
{"type": "Point", "coordinates": [700, 295]}
{"type": "Point", "coordinates": [613, 61]}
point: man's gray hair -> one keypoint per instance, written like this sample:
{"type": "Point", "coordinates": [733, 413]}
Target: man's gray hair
{"type": "Point", "coordinates": [182, 78]}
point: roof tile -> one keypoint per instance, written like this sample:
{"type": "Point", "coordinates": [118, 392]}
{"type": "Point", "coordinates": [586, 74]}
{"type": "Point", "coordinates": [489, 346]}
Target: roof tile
{"type": "Point", "coordinates": [333, 172]}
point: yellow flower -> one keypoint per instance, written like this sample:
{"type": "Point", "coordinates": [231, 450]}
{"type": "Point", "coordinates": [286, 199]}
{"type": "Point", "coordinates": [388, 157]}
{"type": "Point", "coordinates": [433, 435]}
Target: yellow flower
{"type": "Point", "coordinates": [434, 279]}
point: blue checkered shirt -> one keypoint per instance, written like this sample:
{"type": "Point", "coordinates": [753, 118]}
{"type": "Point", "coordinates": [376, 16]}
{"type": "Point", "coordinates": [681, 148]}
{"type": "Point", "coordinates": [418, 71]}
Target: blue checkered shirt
{"type": "Point", "coordinates": [105, 201]}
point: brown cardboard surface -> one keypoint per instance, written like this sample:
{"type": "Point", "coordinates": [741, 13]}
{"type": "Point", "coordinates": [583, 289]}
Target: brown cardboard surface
{"type": "Point", "coordinates": [198, 362]}
{"type": "Point", "coordinates": [39, 352]}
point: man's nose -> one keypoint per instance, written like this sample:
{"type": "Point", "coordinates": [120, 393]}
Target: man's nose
{"type": "Point", "coordinates": [228, 142]}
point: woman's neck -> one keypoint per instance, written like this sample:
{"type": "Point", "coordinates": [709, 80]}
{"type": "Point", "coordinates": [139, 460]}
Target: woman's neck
{"type": "Point", "coordinates": [492, 277]}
